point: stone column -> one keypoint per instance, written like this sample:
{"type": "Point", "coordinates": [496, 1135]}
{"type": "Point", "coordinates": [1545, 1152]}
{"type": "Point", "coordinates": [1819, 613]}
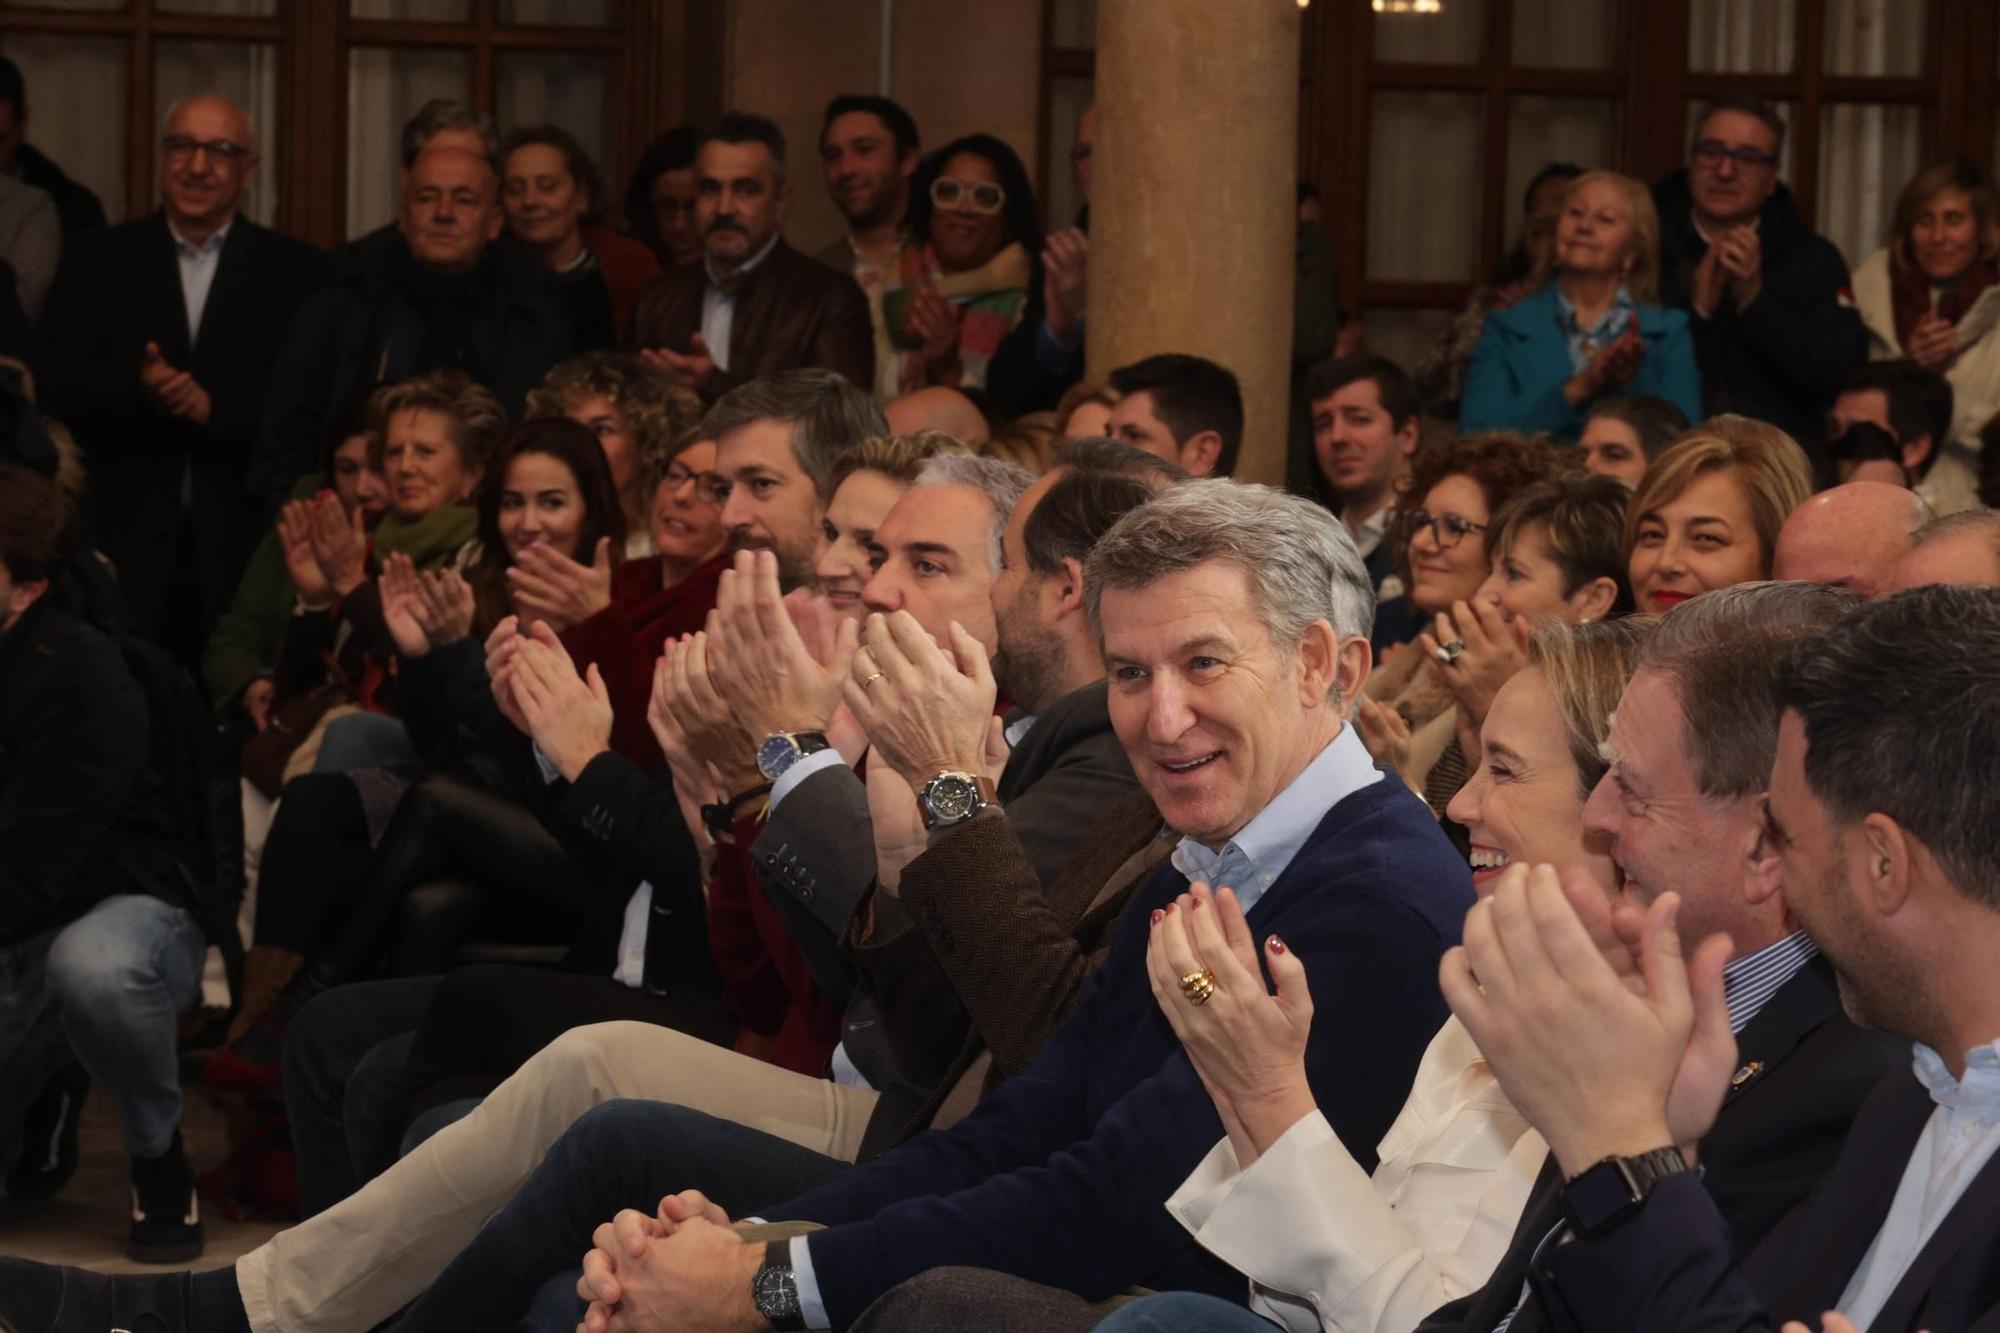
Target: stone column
{"type": "Point", "coordinates": [1193, 203]}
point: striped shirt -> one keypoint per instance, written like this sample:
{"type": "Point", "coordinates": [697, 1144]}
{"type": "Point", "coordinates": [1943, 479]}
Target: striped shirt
{"type": "Point", "coordinates": [1748, 984]}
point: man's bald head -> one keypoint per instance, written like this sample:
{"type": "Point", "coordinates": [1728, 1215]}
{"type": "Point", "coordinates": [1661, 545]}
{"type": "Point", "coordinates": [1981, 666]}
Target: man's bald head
{"type": "Point", "coordinates": [938, 408]}
{"type": "Point", "coordinates": [207, 155]}
{"type": "Point", "coordinates": [451, 208]}
{"type": "Point", "coordinates": [1962, 549]}
{"type": "Point", "coordinates": [1850, 537]}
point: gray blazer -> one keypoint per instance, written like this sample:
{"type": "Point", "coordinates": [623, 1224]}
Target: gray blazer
{"type": "Point", "coordinates": [30, 240]}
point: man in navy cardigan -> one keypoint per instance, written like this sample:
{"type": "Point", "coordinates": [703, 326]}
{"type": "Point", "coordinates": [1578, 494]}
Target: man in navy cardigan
{"type": "Point", "coordinates": [1235, 622]}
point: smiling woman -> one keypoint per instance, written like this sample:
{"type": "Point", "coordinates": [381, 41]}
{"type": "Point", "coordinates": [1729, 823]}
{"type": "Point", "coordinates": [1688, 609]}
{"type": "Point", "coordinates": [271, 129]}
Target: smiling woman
{"type": "Point", "coordinates": [555, 202]}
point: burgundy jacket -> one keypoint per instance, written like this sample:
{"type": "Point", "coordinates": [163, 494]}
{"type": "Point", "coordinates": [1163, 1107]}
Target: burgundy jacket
{"type": "Point", "coordinates": [791, 312]}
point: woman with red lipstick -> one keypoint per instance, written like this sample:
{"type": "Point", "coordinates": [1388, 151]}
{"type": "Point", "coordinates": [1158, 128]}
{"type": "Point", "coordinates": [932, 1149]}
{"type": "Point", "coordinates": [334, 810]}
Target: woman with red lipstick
{"type": "Point", "coordinates": [1932, 295]}
{"type": "Point", "coordinates": [1707, 512]}
{"type": "Point", "coordinates": [1281, 1198]}
{"type": "Point", "coordinates": [1407, 716]}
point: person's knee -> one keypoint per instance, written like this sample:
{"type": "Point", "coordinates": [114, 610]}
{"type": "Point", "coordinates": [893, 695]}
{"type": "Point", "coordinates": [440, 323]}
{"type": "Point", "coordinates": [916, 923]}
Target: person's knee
{"type": "Point", "coordinates": [103, 961]}
{"type": "Point", "coordinates": [621, 1131]}
{"type": "Point", "coordinates": [590, 1056]}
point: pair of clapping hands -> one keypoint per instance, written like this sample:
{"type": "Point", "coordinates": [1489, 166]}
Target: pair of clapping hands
{"type": "Point", "coordinates": [1478, 647]}
{"type": "Point", "coordinates": [1600, 1032]}
{"type": "Point", "coordinates": [768, 662]}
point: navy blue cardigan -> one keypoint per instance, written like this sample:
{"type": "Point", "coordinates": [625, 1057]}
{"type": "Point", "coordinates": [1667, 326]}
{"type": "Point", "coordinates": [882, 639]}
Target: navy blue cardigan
{"type": "Point", "coordinates": [1062, 1175]}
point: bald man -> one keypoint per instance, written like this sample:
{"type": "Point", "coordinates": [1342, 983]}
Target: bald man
{"type": "Point", "coordinates": [1961, 548]}
{"type": "Point", "coordinates": [160, 339]}
{"type": "Point", "coordinates": [1850, 537]}
{"type": "Point", "coordinates": [938, 408]}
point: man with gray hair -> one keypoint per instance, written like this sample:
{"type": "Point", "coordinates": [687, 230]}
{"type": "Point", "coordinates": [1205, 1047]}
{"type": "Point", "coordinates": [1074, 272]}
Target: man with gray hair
{"type": "Point", "coordinates": [1962, 549]}
{"type": "Point", "coordinates": [754, 306]}
{"type": "Point", "coordinates": [161, 339]}
{"type": "Point", "coordinates": [1227, 688]}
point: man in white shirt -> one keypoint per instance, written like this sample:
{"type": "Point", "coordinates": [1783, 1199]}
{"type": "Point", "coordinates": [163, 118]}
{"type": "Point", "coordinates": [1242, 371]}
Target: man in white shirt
{"type": "Point", "coordinates": [1882, 812]}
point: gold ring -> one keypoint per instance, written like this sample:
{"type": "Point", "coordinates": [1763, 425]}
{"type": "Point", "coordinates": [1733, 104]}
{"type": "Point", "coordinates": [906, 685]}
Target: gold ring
{"type": "Point", "coordinates": [872, 679]}
{"type": "Point", "coordinates": [1198, 986]}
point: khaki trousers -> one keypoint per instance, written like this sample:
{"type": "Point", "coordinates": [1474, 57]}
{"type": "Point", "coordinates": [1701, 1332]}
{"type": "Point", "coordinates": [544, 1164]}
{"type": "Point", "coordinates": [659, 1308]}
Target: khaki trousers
{"type": "Point", "coordinates": [360, 1261]}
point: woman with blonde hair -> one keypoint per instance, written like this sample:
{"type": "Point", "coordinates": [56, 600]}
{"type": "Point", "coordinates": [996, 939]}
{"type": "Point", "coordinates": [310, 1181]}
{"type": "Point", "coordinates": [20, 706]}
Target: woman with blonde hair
{"type": "Point", "coordinates": [1931, 295]}
{"type": "Point", "coordinates": [1706, 514]}
{"type": "Point", "coordinates": [1591, 328]}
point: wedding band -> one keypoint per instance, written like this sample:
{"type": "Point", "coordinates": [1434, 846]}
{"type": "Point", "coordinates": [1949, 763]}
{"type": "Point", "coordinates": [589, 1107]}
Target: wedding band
{"type": "Point", "coordinates": [872, 679]}
{"type": "Point", "coordinates": [1198, 986]}
{"type": "Point", "coordinates": [1451, 652]}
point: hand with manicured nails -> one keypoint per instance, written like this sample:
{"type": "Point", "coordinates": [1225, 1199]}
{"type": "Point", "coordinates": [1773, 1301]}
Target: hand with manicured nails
{"type": "Point", "coordinates": [1247, 1043]}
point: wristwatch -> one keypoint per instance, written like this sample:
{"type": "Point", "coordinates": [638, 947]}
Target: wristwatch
{"type": "Point", "coordinates": [951, 798]}
{"type": "Point", "coordinates": [782, 749]}
{"type": "Point", "coordinates": [774, 1289]}
{"type": "Point", "coordinates": [1604, 1195]}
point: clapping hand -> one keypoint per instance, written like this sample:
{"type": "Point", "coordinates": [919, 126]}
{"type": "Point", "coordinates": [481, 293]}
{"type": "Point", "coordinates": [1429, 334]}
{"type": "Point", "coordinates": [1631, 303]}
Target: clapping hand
{"type": "Point", "coordinates": [568, 715]}
{"type": "Point", "coordinates": [547, 587]}
{"type": "Point", "coordinates": [766, 673]}
{"type": "Point", "coordinates": [501, 646]}
{"type": "Point", "coordinates": [177, 392]}
{"type": "Point", "coordinates": [712, 733]}
{"type": "Point", "coordinates": [934, 321]}
{"type": "Point", "coordinates": [1386, 736]}
{"type": "Point", "coordinates": [926, 712]}
{"type": "Point", "coordinates": [1065, 270]}
{"type": "Point", "coordinates": [1933, 343]}
{"type": "Point", "coordinates": [424, 610]}
{"type": "Point", "coordinates": [339, 543]}
{"type": "Point", "coordinates": [1592, 1059]}
{"type": "Point", "coordinates": [295, 537]}
{"type": "Point", "coordinates": [689, 369]}
{"type": "Point", "coordinates": [1247, 1044]}
{"type": "Point", "coordinates": [1740, 253]}
{"type": "Point", "coordinates": [1495, 646]}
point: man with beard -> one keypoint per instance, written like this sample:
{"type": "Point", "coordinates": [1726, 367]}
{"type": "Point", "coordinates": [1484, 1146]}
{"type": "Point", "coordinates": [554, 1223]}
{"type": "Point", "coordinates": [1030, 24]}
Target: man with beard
{"type": "Point", "coordinates": [754, 306]}
{"type": "Point", "coordinates": [868, 149]}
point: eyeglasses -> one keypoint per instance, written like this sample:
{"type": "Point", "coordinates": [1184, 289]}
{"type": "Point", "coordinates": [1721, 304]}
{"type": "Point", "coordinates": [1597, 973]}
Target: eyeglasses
{"type": "Point", "coordinates": [1447, 530]}
{"type": "Point", "coordinates": [180, 148]}
{"type": "Point", "coordinates": [1711, 153]}
{"type": "Point", "coordinates": [980, 196]}
{"type": "Point", "coordinates": [677, 477]}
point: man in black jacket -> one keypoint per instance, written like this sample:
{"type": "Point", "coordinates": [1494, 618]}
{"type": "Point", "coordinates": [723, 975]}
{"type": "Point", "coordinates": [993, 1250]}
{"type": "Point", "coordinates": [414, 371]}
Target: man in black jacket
{"type": "Point", "coordinates": [99, 954]}
{"type": "Point", "coordinates": [1775, 328]}
{"type": "Point", "coordinates": [433, 293]}
{"type": "Point", "coordinates": [159, 341]}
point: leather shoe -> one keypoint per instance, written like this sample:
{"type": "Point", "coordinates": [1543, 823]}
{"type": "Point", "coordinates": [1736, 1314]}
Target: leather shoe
{"type": "Point", "coordinates": [42, 1298]}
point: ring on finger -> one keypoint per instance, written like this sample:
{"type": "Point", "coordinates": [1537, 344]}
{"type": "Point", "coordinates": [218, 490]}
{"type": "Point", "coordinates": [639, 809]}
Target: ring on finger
{"type": "Point", "coordinates": [872, 678]}
{"type": "Point", "coordinates": [1198, 986]}
{"type": "Point", "coordinates": [1451, 652]}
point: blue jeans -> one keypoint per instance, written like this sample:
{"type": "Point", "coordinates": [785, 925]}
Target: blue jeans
{"type": "Point", "coordinates": [107, 989]}
{"type": "Point", "coordinates": [367, 740]}
{"type": "Point", "coordinates": [621, 1154]}
{"type": "Point", "coordinates": [1184, 1312]}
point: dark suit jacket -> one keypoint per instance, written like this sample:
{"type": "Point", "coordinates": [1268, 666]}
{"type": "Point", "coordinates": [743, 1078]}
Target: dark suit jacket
{"type": "Point", "coordinates": [120, 288]}
{"type": "Point", "coordinates": [1672, 1266]}
{"type": "Point", "coordinates": [1060, 1176]}
{"type": "Point", "coordinates": [1779, 1130]}
{"type": "Point", "coordinates": [791, 312]}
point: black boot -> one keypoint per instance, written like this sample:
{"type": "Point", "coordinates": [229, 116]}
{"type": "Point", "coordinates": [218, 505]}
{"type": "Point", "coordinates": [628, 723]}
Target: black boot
{"type": "Point", "coordinates": [166, 1214]}
{"type": "Point", "coordinates": [48, 1136]}
{"type": "Point", "coordinates": [41, 1298]}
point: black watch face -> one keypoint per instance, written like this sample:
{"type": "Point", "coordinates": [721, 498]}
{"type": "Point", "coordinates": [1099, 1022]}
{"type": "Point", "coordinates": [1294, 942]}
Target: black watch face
{"type": "Point", "coordinates": [952, 798]}
{"type": "Point", "coordinates": [776, 1294]}
{"type": "Point", "coordinates": [1599, 1197]}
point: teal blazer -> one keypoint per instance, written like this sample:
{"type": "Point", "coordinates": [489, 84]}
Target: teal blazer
{"type": "Point", "coordinates": [1515, 379]}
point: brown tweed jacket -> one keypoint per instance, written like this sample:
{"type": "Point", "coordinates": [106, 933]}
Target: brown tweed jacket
{"type": "Point", "coordinates": [1009, 955]}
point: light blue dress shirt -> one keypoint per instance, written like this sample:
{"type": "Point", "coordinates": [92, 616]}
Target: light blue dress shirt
{"type": "Point", "coordinates": [718, 305]}
{"type": "Point", "coordinates": [1958, 1140]}
{"type": "Point", "coordinates": [1250, 863]}
{"type": "Point", "coordinates": [198, 264]}
{"type": "Point", "coordinates": [1587, 343]}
